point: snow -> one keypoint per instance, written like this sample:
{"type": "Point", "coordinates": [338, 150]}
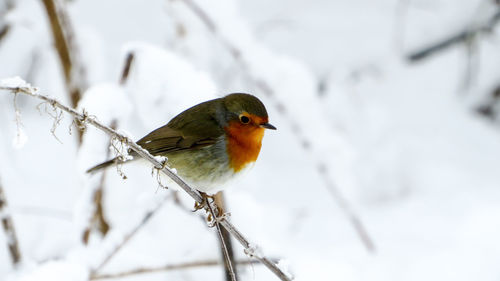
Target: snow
{"type": "Point", "coordinates": [56, 271]}
{"type": "Point", "coordinates": [402, 141]}
{"type": "Point", "coordinates": [14, 82]}
{"type": "Point", "coordinates": [164, 83]}
{"type": "Point", "coordinates": [254, 250]}
{"type": "Point", "coordinates": [284, 266]}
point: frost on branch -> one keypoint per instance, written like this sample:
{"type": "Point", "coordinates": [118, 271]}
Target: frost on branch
{"type": "Point", "coordinates": [254, 251]}
{"type": "Point", "coordinates": [284, 265]}
{"type": "Point", "coordinates": [16, 82]}
{"type": "Point", "coordinates": [21, 138]}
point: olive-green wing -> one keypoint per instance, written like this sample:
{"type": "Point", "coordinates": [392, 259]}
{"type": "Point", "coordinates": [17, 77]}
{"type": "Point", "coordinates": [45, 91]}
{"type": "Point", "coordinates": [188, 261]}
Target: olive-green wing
{"type": "Point", "coordinates": [194, 128]}
{"type": "Point", "coordinates": [166, 139]}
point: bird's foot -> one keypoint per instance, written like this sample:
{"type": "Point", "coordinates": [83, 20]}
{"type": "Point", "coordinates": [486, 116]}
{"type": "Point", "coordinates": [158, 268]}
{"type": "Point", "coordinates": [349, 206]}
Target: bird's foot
{"type": "Point", "coordinates": [204, 202]}
{"type": "Point", "coordinates": [216, 212]}
{"type": "Point", "coordinates": [211, 221]}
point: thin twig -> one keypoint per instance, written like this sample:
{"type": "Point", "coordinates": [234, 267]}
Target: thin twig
{"type": "Point", "coordinates": [346, 208]}
{"type": "Point", "coordinates": [98, 214]}
{"type": "Point", "coordinates": [126, 68]}
{"type": "Point", "coordinates": [98, 211]}
{"type": "Point", "coordinates": [67, 49]}
{"type": "Point", "coordinates": [489, 107]}
{"type": "Point", "coordinates": [4, 30]}
{"type": "Point", "coordinates": [220, 202]}
{"type": "Point", "coordinates": [461, 36]}
{"type": "Point", "coordinates": [9, 230]}
{"type": "Point", "coordinates": [84, 118]}
{"type": "Point", "coordinates": [225, 252]}
{"type": "Point", "coordinates": [168, 267]}
{"type": "Point", "coordinates": [303, 139]}
{"type": "Point", "coordinates": [128, 236]}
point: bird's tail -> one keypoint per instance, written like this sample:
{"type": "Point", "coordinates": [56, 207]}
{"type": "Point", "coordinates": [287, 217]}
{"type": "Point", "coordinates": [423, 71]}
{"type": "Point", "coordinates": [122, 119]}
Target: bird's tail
{"type": "Point", "coordinates": [103, 165]}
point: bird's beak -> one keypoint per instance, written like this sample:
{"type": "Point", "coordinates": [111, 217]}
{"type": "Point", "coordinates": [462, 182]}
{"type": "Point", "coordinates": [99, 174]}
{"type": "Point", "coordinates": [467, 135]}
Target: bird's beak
{"type": "Point", "coordinates": [267, 126]}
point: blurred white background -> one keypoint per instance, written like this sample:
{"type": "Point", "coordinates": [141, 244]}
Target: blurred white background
{"type": "Point", "coordinates": [411, 144]}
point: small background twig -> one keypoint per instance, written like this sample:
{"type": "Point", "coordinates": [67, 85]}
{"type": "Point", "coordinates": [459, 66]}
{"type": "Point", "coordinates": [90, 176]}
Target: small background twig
{"type": "Point", "coordinates": [9, 229]}
{"type": "Point", "coordinates": [169, 267]}
{"type": "Point", "coordinates": [62, 31]}
{"type": "Point", "coordinates": [98, 221]}
{"type": "Point", "coordinates": [462, 36]}
{"type": "Point", "coordinates": [128, 236]}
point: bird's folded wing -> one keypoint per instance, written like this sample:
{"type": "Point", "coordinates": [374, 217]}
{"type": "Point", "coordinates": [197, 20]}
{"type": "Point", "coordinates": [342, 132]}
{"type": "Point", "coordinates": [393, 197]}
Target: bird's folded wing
{"type": "Point", "coordinates": [165, 139]}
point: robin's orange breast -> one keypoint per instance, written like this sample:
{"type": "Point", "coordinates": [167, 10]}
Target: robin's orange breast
{"type": "Point", "coordinates": [243, 144]}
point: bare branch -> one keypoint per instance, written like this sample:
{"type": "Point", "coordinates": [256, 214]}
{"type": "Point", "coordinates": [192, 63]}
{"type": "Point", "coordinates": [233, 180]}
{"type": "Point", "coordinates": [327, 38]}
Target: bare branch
{"type": "Point", "coordinates": [128, 236]}
{"type": "Point", "coordinates": [98, 212]}
{"type": "Point", "coordinates": [225, 252]}
{"type": "Point", "coordinates": [489, 107]}
{"type": "Point", "coordinates": [9, 230]}
{"type": "Point", "coordinates": [61, 44]}
{"type": "Point", "coordinates": [84, 118]}
{"type": "Point", "coordinates": [168, 267]}
{"type": "Point", "coordinates": [226, 238]}
{"type": "Point", "coordinates": [3, 31]}
{"type": "Point", "coordinates": [460, 37]}
{"type": "Point", "coordinates": [126, 69]}
{"type": "Point", "coordinates": [346, 208]}
{"type": "Point", "coordinates": [303, 139]}
{"type": "Point", "coordinates": [62, 31]}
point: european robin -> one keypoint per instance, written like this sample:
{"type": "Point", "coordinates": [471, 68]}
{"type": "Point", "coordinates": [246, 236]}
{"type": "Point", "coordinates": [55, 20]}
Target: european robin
{"type": "Point", "coordinates": [209, 143]}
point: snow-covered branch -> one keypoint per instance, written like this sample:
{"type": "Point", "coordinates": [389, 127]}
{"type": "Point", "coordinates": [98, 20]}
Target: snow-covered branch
{"type": "Point", "coordinates": [83, 117]}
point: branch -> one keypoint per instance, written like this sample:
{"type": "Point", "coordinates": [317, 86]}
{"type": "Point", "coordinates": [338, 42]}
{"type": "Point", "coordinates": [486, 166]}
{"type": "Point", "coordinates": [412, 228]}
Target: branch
{"type": "Point", "coordinates": [126, 69]}
{"type": "Point", "coordinates": [346, 208]}
{"type": "Point", "coordinates": [4, 30]}
{"type": "Point", "coordinates": [9, 230]}
{"type": "Point", "coordinates": [127, 237]}
{"type": "Point", "coordinates": [462, 36]}
{"type": "Point", "coordinates": [67, 49]}
{"type": "Point", "coordinates": [84, 118]}
{"type": "Point", "coordinates": [98, 211]}
{"type": "Point", "coordinates": [489, 108]}
{"type": "Point", "coordinates": [226, 238]}
{"type": "Point", "coordinates": [225, 252]}
{"type": "Point", "coordinates": [303, 139]}
{"type": "Point", "coordinates": [168, 267]}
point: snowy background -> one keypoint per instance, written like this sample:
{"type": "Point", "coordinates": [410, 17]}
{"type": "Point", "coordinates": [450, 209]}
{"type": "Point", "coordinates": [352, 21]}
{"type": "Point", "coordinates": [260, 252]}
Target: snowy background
{"type": "Point", "coordinates": [412, 146]}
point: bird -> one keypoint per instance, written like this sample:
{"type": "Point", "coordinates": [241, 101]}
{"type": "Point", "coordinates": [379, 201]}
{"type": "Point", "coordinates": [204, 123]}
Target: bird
{"type": "Point", "coordinates": [210, 143]}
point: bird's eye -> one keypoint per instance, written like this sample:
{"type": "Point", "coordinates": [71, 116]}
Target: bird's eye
{"type": "Point", "coordinates": [244, 119]}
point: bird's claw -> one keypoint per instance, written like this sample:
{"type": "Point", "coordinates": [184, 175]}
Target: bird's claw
{"type": "Point", "coordinates": [204, 203]}
{"type": "Point", "coordinates": [218, 212]}
{"type": "Point", "coordinates": [211, 221]}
